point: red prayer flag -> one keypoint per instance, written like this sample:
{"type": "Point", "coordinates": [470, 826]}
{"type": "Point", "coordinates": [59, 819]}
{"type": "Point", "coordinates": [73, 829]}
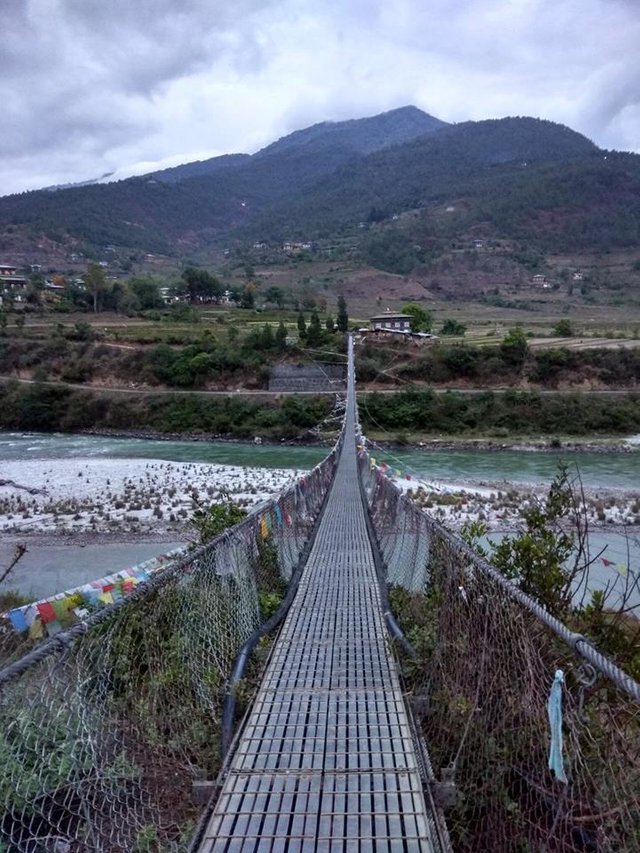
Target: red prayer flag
{"type": "Point", "coordinates": [46, 611]}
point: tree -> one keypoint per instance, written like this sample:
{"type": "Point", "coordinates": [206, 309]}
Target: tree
{"type": "Point", "coordinates": [330, 324]}
{"type": "Point", "coordinates": [281, 337]}
{"type": "Point", "coordinates": [421, 320]}
{"type": "Point", "coordinates": [96, 284]}
{"type": "Point", "coordinates": [514, 347]}
{"type": "Point", "coordinates": [453, 328]}
{"type": "Point", "coordinates": [342, 318]}
{"type": "Point", "coordinates": [315, 337]}
{"type": "Point", "coordinates": [267, 341]}
{"type": "Point", "coordinates": [563, 329]}
{"type": "Point", "coordinates": [146, 291]}
{"type": "Point", "coordinates": [247, 300]}
{"type": "Point", "coordinates": [275, 295]}
{"type": "Point", "coordinates": [302, 327]}
{"type": "Point", "coordinates": [201, 285]}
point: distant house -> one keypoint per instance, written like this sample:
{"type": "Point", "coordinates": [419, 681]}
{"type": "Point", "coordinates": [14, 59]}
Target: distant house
{"type": "Point", "coordinates": [395, 322]}
{"type": "Point", "coordinates": [577, 276]}
{"type": "Point", "coordinates": [11, 283]}
{"type": "Point", "coordinates": [296, 248]}
{"type": "Point", "coordinates": [539, 279]}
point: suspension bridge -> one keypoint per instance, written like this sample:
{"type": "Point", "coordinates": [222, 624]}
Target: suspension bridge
{"type": "Point", "coordinates": [137, 727]}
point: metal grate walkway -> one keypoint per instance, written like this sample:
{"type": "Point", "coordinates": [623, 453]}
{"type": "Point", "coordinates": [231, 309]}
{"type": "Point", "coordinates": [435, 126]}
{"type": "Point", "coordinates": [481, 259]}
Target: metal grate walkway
{"type": "Point", "coordinates": [326, 760]}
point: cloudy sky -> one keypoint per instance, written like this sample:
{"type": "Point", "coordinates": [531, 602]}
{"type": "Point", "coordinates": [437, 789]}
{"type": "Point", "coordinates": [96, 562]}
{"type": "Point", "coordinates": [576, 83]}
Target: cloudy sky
{"type": "Point", "coordinates": [126, 86]}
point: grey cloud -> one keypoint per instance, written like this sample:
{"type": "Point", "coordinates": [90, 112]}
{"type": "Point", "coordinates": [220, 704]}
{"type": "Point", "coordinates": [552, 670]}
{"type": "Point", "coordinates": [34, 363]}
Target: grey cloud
{"type": "Point", "coordinates": [92, 85]}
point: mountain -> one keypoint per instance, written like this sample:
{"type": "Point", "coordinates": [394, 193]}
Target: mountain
{"type": "Point", "coordinates": [363, 135]}
{"type": "Point", "coordinates": [355, 136]}
{"type": "Point", "coordinates": [513, 174]}
{"type": "Point", "coordinates": [175, 174]}
{"type": "Point", "coordinates": [200, 202]}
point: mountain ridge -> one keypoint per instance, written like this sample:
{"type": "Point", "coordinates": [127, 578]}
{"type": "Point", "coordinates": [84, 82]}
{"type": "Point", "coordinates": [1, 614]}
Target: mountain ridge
{"type": "Point", "coordinates": [320, 180]}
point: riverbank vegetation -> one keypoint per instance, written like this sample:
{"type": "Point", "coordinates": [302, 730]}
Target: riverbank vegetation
{"type": "Point", "coordinates": [59, 408]}
{"type": "Point", "coordinates": [424, 412]}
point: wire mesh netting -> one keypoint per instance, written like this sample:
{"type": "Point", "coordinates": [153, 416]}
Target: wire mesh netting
{"type": "Point", "coordinates": [481, 690]}
{"type": "Point", "coordinates": [104, 727]}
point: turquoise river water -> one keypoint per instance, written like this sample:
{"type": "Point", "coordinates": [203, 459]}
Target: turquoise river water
{"type": "Point", "coordinates": [49, 568]}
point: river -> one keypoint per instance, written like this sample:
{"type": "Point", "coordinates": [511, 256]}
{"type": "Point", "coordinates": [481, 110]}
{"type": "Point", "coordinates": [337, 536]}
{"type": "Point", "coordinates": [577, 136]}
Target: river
{"type": "Point", "coordinates": [49, 568]}
{"type": "Point", "coordinates": [597, 470]}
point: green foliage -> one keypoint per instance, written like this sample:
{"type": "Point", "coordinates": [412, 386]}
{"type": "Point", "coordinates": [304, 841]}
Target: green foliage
{"type": "Point", "coordinates": [146, 292]}
{"type": "Point", "coordinates": [451, 327]}
{"type": "Point", "coordinates": [393, 251]}
{"type": "Point", "coordinates": [96, 285]}
{"type": "Point", "coordinates": [509, 413]}
{"type": "Point", "coordinates": [210, 521]}
{"type": "Point", "coordinates": [200, 285]}
{"type": "Point", "coordinates": [276, 296]}
{"type": "Point", "coordinates": [302, 327]}
{"type": "Point", "coordinates": [342, 317]}
{"type": "Point", "coordinates": [315, 335]}
{"type": "Point", "coordinates": [281, 337]}
{"type": "Point", "coordinates": [47, 408]}
{"type": "Point", "coordinates": [247, 299]}
{"type": "Point", "coordinates": [421, 319]}
{"type": "Point", "coordinates": [267, 339]}
{"type": "Point", "coordinates": [563, 329]}
{"type": "Point", "coordinates": [537, 558]}
{"type": "Point", "coordinates": [514, 347]}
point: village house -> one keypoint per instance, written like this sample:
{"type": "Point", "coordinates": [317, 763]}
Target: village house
{"type": "Point", "coordinates": [396, 322]}
{"type": "Point", "coordinates": [12, 284]}
{"type": "Point", "coordinates": [538, 278]}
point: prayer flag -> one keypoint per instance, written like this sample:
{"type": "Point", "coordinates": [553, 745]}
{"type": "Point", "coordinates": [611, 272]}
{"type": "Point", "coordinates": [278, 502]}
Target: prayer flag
{"type": "Point", "coordinates": [17, 619]}
{"type": "Point", "coordinates": [46, 611]}
{"type": "Point", "coordinates": [36, 629]}
{"type": "Point", "coordinates": [59, 606]}
{"type": "Point", "coordinates": [53, 628]}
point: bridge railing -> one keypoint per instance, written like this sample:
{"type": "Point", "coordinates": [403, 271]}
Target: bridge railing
{"type": "Point", "coordinates": [104, 727]}
{"type": "Point", "coordinates": [487, 659]}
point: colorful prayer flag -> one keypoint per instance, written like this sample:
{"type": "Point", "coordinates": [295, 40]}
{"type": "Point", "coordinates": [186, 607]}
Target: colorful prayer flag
{"type": "Point", "coordinates": [17, 619]}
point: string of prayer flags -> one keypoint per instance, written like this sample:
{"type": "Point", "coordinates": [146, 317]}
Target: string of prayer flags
{"type": "Point", "coordinates": [52, 615]}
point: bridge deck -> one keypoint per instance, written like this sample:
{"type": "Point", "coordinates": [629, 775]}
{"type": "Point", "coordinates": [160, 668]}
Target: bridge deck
{"type": "Point", "coordinates": [326, 760]}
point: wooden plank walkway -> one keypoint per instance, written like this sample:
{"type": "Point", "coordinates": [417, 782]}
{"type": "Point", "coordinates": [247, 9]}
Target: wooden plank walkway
{"type": "Point", "coordinates": [326, 760]}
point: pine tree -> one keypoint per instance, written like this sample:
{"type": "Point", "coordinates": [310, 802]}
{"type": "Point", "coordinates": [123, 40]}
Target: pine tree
{"type": "Point", "coordinates": [281, 337]}
{"type": "Point", "coordinates": [342, 318]}
{"type": "Point", "coordinates": [267, 341]}
{"type": "Point", "coordinates": [330, 324]}
{"type": "Point", "coordinates": [302, 327]}
{"type": "Point", "coordinates": [315, 337]}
